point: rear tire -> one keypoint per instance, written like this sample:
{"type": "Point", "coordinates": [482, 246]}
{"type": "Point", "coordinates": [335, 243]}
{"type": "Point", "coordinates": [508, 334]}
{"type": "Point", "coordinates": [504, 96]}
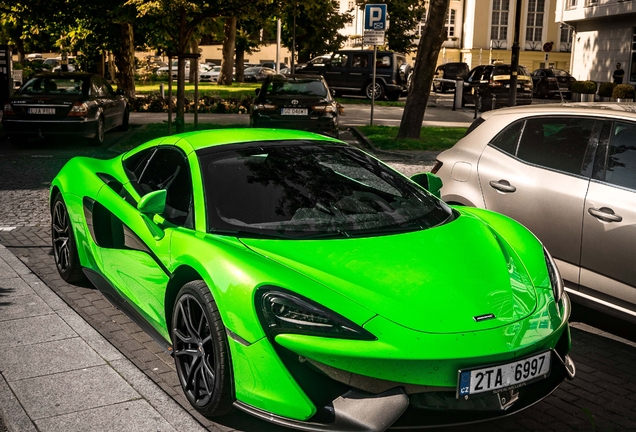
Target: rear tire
{"type": "Point", "coordinates": [63, 241]}
{"type": "Point", "coordinates": [98, 139]}
{"type": "Point", "coordinates": [125, 120]}
{"type": "Point", "coordinates": [379, 91]}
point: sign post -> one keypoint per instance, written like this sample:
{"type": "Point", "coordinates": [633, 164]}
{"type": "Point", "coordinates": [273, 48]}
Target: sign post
{"type": "Point", "coordinates": [374, 28]}
{"type": "Point", "coordinates": [547, 47]}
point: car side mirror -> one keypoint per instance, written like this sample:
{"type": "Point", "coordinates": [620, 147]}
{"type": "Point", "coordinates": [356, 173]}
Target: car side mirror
{"type": "Point", "coordinates": [153, 202]}
{"type": "Point", "coordinates": [430, 182]}
{"type": "Point", "coordinates": [257, 91]}
{"type": "Point", "coordinates": [333, 92]}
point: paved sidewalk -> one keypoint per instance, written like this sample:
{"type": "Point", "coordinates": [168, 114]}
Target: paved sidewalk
{"type": "Point", "coordinates": [58, 374]}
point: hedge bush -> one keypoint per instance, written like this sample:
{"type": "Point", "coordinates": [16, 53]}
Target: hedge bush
{"type": "Point", "coordinates": [584, 87]}
{"type": "Point", "coordinates": [605, 89]}
{"type": "Point", "coordinates": [207, 104]}
{"type": "Point", "coordinates": [623, 91]}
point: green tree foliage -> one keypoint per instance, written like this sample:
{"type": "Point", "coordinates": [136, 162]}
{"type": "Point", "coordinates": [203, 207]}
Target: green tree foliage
{"type": "Point", "coordinates": [404, 15]}
{"type": "Point", "coordinates": [317, 25]}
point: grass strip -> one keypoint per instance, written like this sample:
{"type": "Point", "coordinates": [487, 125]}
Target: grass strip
{"type": "Point", "coordinates": [431, 138]}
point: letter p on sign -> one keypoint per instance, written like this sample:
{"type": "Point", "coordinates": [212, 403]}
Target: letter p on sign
{"type": "Point", "coordinates": [375, 17]}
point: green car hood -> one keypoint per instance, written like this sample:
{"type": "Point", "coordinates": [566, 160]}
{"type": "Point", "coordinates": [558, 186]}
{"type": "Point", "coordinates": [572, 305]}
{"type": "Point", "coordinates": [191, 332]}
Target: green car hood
{"type": "Point", "coordinates": [446, 279]}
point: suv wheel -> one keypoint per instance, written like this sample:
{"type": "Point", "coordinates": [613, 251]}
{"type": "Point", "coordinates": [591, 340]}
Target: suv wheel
{"type": "Point", "coordinates": [379, 91]}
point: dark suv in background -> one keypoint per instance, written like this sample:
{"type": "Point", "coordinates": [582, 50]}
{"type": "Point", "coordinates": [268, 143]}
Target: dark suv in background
{"type": "Point", "coordinates": [351, 72]}
{"type": "Point", "coordinates": [493, 81]}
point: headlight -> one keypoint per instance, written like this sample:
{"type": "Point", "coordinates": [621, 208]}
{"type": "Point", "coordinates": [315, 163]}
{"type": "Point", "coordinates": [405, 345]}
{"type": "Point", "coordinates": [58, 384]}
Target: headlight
{"type": "Point", "coordinates": [284, 312]}
{"type": "Point", "coordinates": [555, 276]}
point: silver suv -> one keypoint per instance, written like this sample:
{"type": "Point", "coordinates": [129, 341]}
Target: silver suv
{"type": "Point", "coordinates": [568, 173]}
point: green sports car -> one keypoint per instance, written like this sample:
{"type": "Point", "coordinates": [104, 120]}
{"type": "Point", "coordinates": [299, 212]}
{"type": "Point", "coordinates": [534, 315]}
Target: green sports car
{"type": "Point", "coordinates": [301, 280]}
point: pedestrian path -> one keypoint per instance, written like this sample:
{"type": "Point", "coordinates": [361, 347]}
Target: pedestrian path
{"type": "Point", "coordinates": [58, 374]}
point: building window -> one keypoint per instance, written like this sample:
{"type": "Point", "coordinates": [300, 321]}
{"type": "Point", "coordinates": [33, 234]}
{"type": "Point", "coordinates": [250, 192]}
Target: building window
{"type": "Point", "coordinates": [352, 5]}
{"type": "Point", "coordinates": [449, 26]}
{"type": "Point", "coordinates": [571, 4]}
{"type": "Point", "coordinates": [591, 2]}
{"type": "Point", "coordinates": [499, 26]}
{"type": "Point", "coordinates": [566, 38]}
{"type": "Point", "coordinates": [534, 24]}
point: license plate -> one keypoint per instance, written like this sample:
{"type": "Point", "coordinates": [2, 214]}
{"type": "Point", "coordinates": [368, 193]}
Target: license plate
{"type": "Point", "coordinates": [294, 111]}
{"type": "Point", "coordinates": [41, 110]}
{"type": "Point", "coordinates": [510, 375]}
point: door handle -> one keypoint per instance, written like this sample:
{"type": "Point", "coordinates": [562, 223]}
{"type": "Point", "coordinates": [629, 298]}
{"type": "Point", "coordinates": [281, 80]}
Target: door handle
{"type": "Point", "coordinates": [605, 214]}
{"type": "Point", "coordinates": [502, 185]}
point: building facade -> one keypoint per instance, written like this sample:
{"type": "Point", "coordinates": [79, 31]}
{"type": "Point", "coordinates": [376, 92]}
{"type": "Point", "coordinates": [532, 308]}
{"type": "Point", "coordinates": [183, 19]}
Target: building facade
{"type": "Point", "coordinates": [604, 35]}
{"type": "Point", "coordinates": [482, 31]}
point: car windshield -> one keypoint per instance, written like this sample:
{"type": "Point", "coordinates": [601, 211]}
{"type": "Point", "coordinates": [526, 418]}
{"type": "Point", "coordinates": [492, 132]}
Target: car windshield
{"type": "Point", "coordinates": [252, 70]}
{"type": "Point", "coordinates": [55, 85]}
{"type": "Point", "coordinates": [303, 190]}
{"type": "Point", "coordinates": [296, 88]}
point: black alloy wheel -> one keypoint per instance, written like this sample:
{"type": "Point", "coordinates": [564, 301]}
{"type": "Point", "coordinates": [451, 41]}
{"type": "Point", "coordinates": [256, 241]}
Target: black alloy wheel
{"type": "Point", "coordinates": [63, 242]}
{"type": "Point", "coordinates": [379, 91]}
{"type": "Point", "coordinates": [201, 350]}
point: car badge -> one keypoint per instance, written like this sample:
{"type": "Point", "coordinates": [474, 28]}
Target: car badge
{"type": "Point", "coordinates": [480, 318]}
{"type": "Point", "coordinates": [294, 102]}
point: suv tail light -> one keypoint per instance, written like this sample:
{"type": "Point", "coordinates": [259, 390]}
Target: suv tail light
{"type": "Point", "coordinates": [79, 109]}
{"type": "Point", "coordinates": [8, 110]}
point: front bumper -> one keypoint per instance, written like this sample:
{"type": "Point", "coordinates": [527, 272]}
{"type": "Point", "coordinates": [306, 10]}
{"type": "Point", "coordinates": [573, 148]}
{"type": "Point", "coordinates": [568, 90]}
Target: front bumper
{"type": "Point", "coordinates": [82, 127]}
{"type": "Point", "coordinates": [409, 377]}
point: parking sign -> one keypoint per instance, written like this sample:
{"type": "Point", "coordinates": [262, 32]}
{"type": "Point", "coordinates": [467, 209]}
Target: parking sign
{"type": "Point", "coordinates": [375, 17]}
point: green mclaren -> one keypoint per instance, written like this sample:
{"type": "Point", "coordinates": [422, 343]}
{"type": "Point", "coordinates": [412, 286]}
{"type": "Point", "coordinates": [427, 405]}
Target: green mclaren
{"type": "Point", "coordinates": [302, 281]}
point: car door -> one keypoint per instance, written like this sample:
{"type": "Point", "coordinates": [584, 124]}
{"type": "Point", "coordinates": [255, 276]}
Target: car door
{"type": "Point", "coordinates": [360, 71]}
{"type": "Point", "coordinates": [336, 69]}
{"type": "Point", "coordinates": [609, 221]}
{"type": "Point", "coordinates": [536, 172]}
{"type": "Point", "coordinates": [136, 250]}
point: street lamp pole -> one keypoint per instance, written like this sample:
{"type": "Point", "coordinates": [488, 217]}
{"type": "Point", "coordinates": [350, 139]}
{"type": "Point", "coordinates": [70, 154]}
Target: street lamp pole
{"type": "Point", "coordinates": [514, 60]}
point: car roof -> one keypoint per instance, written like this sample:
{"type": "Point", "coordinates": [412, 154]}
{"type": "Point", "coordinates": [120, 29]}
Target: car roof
{"type": "Point", "coordinates": [65, 74]}
{"type": "Point", "coordinates": [604, 109]}
{"type": "Point", "coordinates": [198, 140]}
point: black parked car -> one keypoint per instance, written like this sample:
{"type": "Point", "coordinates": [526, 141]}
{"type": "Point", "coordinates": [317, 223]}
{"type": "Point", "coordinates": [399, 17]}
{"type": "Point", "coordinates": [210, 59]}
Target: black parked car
{"type": "Point", "coordinates": [351, 72]}
{"type": "Point", "coordinates": [452, 71]}
{"type": "Point", "coordinates": [296, 102]}
{"type": "Point", "coordinates": [257, 73]}
{"type": "Point", "coordinates": [551, 82]}
{"type": "Point", "coordinates": [488, 82]}
{"type": "Point", "coordinates": [58, 104]}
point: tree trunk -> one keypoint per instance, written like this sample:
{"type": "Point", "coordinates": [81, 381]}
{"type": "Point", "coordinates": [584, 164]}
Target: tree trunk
{"type": "Point", "coordinates": [229, 29]}
{"type": "Point", "coordinates": [182, 49]}
{"type": "Point", "coordinates": [426, 60]}
{"type": "Point", "coordinates": [125, 60]}
{"type": "Point", "coordinates": [19, 42]}
{"type": "Point", "coordinates": [194, 63]}
{"type": "Point", "coordinates": [240, 60]}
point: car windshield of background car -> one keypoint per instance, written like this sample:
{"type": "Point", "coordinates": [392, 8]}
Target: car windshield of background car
{"type": "Point", "coordinates": [297, 88]}
{"type": "Point", "coordinates": [54, 86]}
{"type": "Point", "coordinates": [298, 191]}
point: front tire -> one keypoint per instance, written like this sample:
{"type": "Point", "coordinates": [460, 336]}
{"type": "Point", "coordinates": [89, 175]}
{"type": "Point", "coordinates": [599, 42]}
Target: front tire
{"type": "Point", "coordinates": [201, 352]}
{"type": "Point", "coordinates": [63, 242]}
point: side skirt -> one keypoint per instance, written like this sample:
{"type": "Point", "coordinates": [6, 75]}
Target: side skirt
{"type": "Point", "coordinates": [104, 286]}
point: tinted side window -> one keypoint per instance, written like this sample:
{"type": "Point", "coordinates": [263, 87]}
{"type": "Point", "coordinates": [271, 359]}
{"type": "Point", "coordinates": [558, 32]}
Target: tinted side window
{"type": "Point", "coordinates": [557, 143]}
{"type": "Point", "coordinates": [168, 169]}
{"type": "Point", "coordinates": [508, 138]}
{"type": "Point", "coordinates": [621, 161]}
{"type": "Point", "coordinates": [339, 59]}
